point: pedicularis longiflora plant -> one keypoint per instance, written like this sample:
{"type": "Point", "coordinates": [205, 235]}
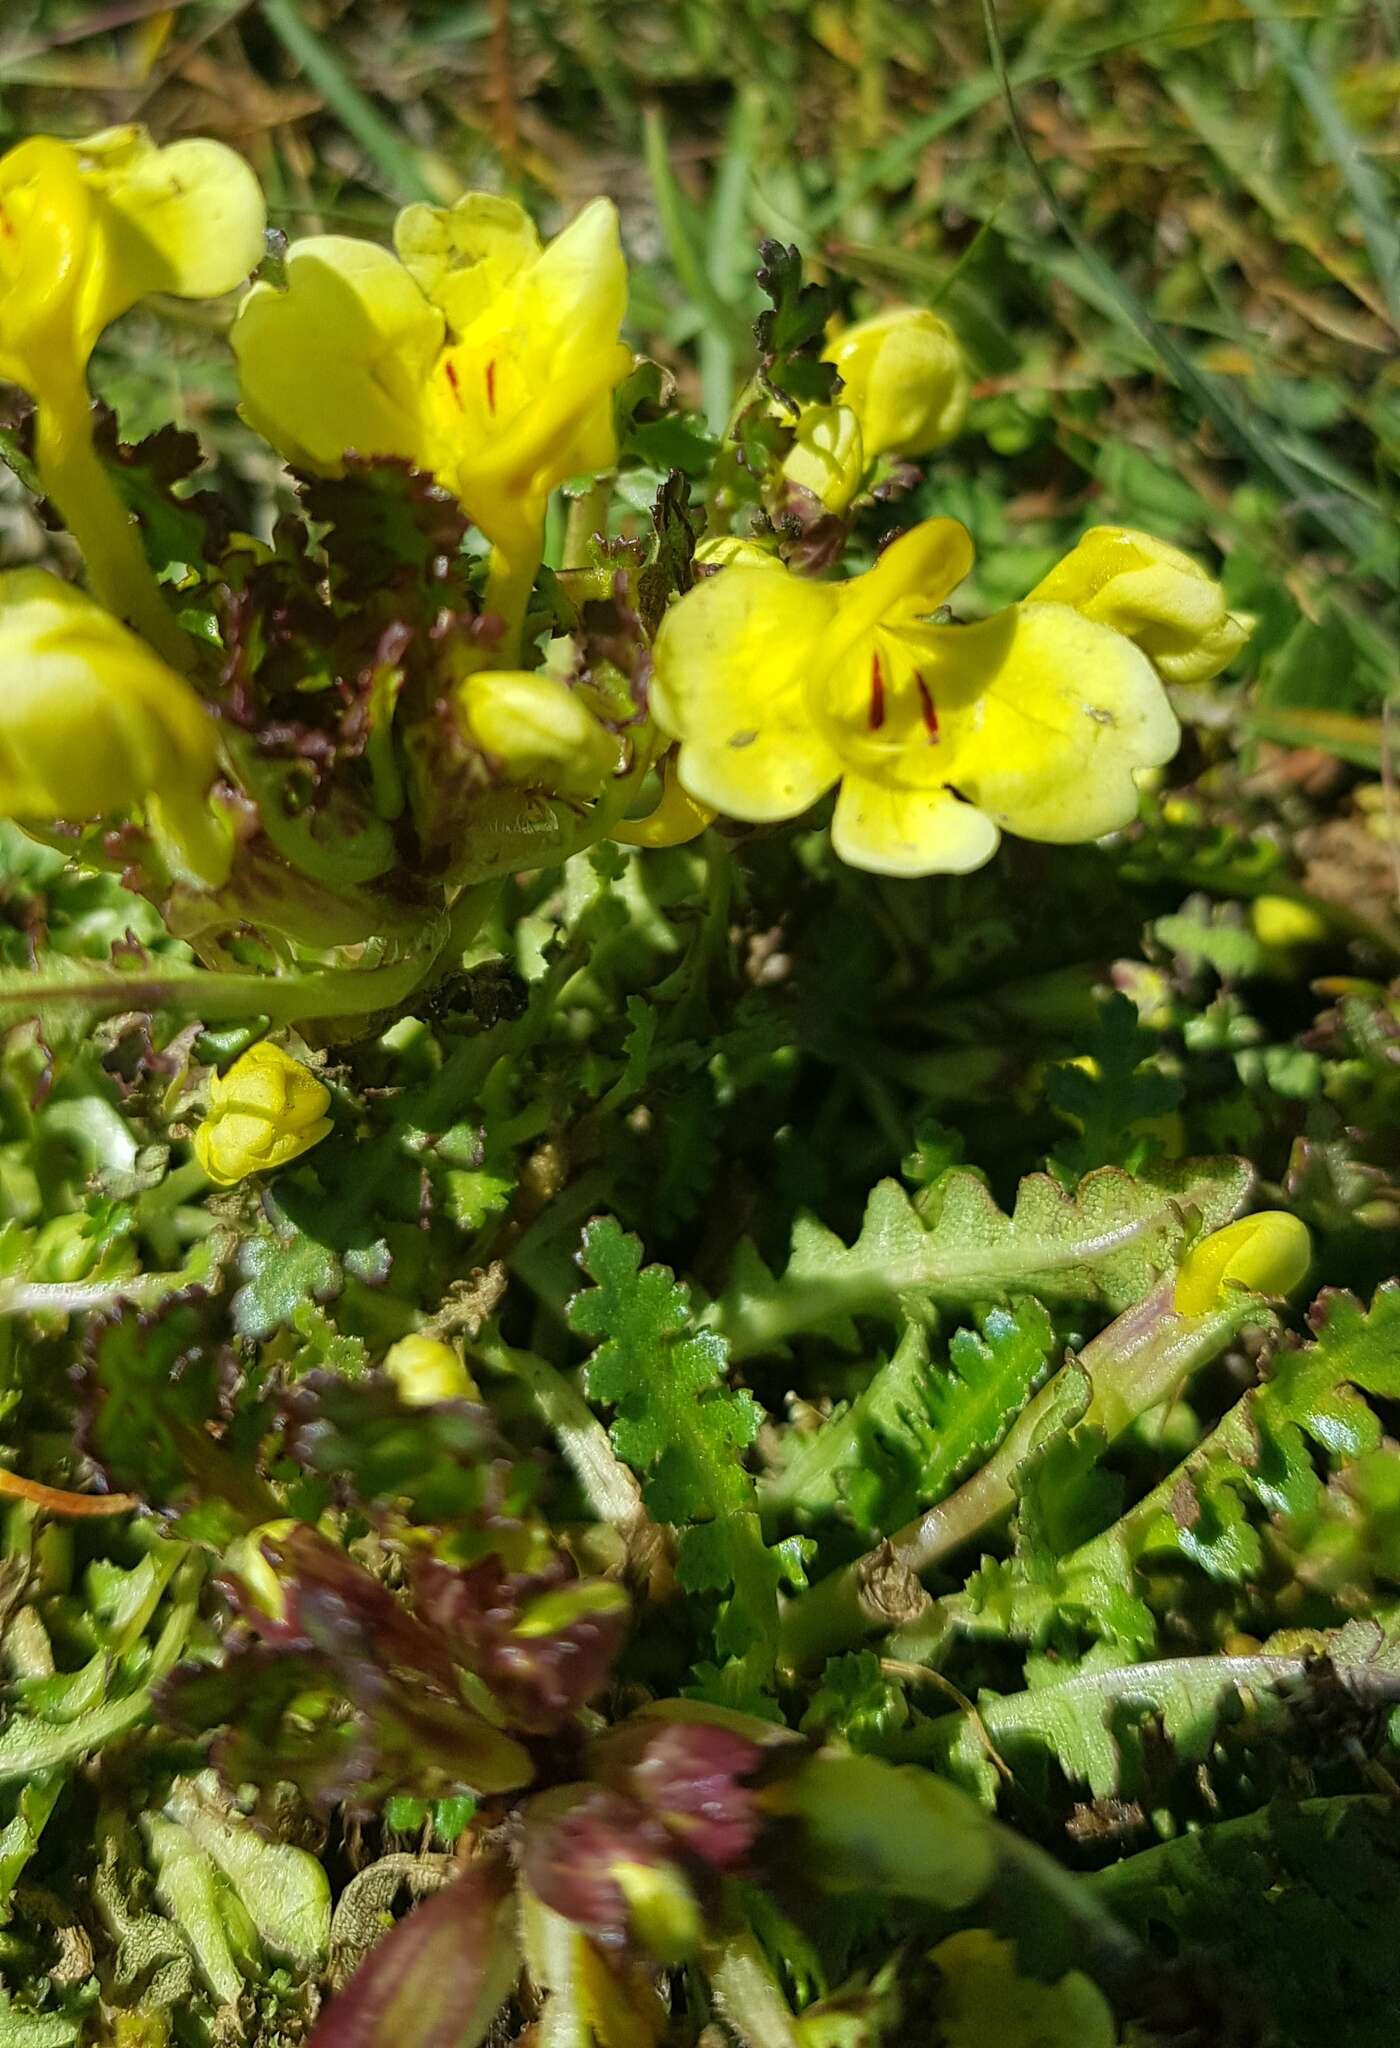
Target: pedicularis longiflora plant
{"type": "Point", "coordinates": [402, 894]}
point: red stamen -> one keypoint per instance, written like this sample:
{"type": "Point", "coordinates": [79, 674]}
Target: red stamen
{"type": "Point", "coordinates": [491, 384]}
{"type": "Point", "coordinates": [926, 706]}
{"type": "Point", "coordinates": [877, 694]}
{"type": "Point", "coordinates": [450, 372]}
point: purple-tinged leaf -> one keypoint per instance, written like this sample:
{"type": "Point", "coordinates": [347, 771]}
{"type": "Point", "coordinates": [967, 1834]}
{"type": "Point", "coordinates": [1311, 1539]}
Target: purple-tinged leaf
{"type": "Point", "coordinates": [439, 1978]}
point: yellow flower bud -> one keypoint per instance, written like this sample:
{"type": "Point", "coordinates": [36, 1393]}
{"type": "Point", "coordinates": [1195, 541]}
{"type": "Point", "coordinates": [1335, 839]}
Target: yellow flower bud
{"type": "Point", "coordinates": [535, 730]}
{"type": "Point", "coordinates": [1281, 922]}
{"type": "Point", "coordinates": [828, 456]}
{"type": "Point", "coordinates": [1154, 594]}
{"type": "Point", "coordinates": [425, 1370]}
{"type": "Point", "coordinates": [1269, 1254]}
{"type": "Point", "coordinates": [265, 1111]}
{"type": "Point", "coordinates": [93, 725]}
{"type": "Point", "coordinates": [665, 1917]}
{"type": "Point", "coordinates": [904, 378]}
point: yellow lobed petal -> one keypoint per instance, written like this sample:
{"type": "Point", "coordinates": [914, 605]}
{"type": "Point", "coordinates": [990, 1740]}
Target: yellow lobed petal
{"type": "Point", "coordinates": [1158, 596]}
{"type": "Point", "coordinates": [1047, 715]}
{"type": "Point", "coordinates": [48, 248]}
{"type": "Point", "coordinates": [905, 379]}
{"type": "Point", "coordinates": [92, 724]}
{"type": "Point", "coordinates": [890, 830]}
{"type": "Point", "coordinates": [463, 256]}
{"type": "Point", "coordinates": [187, 219]}
{"type": "Point", "coordinates": [536, 730]}
{"type": "Point", "coordinates": [732, 663]}
{"type": "Point", "coordinates": [339, 360]}
{"type": "Point", "coordinates": [265, 1111]}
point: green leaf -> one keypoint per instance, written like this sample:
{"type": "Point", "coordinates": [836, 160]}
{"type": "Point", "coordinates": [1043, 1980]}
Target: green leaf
{"type": "Point", "coordinates": [985, 2002]}
{"type": "Point", "coordinates": [35, 2030]}
{"type": "Point", "coordinates": [283, 1889]}
{"type": "Point", "coordinates": [1117, 1093]}
{"type": "Point", "coordinates": [684, 1431]}
{"type": "Point", "coordinates": [1296, 1905]}
{"type": "Point", "coordinates": [19, 1838]}
{"type": "Point", "coordinates": [1105, 1244]}
{"type": "Point", "coordinates": [917, 1428]}
{"type": "Point", "coordinates": [790, 332]}
{"type": "Point", "coordinates": [160, 1385]}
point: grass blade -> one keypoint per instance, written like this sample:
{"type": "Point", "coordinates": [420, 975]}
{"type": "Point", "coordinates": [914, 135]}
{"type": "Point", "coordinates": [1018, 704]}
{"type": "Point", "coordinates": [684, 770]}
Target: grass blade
{"type": "Point", "coordinates": [392, 157]}
{"type": "Point", "coordinates": [1331, 511]}
{"type": "Point", "coordinates": [1361, 181]}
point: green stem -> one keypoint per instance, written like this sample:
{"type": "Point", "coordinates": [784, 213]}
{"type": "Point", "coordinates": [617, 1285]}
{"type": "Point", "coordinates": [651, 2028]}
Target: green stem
{"type": "Point", "coordinates": [1140, 1360]}
{"type": "Point", "coordinates": [747, 1993]}
{"type": "Point", "coordinates": [509, 582]}
{"type": "Point", "coordinates": [587, 515]}
{"type": "Point", "coordinates": [611, 1491]}
{"type": "Point", "coordinates": [283, 999]}
{"type": "Point", "coordinates": [75, 480]}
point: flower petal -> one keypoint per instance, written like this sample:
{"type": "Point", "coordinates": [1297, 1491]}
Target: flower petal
{"type": "Point", "coordinates": [890, 830]}
{"type": "Point", "coordinates": [905, 378]}
{"type": "Point", "coordinates": [337, 361]}
{"type": "Point", "coordinates": [187, 219]}
{"type": "Point", "coordinates": [732, 661]}
{"type": "Point", "coordinates": [1159, 597]}
{"type": "Point", "coordinates": [524, 397]}
{"type": "Point", "coordinates": [1048, 716]}
{"type": "Point", "coordinates": [462, 256]}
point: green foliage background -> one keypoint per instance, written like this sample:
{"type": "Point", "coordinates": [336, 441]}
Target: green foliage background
{"type": "Point", "coordinates": [1177, 276]}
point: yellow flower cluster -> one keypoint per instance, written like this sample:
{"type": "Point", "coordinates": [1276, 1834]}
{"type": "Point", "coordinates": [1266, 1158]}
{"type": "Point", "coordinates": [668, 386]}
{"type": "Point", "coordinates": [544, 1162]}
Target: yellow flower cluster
{"type": "Point", "coordinates": [489, 359]}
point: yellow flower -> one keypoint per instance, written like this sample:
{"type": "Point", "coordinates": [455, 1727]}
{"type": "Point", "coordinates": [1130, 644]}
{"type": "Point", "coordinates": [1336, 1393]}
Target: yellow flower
{"type": "Point", "coordinates": [535, 731]}
{"type": "Point", "coordinates": [425, 1370]}
{"type": "Point", "coordinates": [1269, 1254]}
{"type": "Point", "coordinates": [473, 352]}
{"type": "Point", "coordinates": [1158, 596]}
{"type": "Point", "coordinates": [93, 725]}
{"type": "Point", "coordinates": [266, 1110]}
{"type": "Point", "coordinates": [87, 228]}
{"type": "Point", "coordinates": [904, 379]}
{"type": "Point", "coordinates": [1033, 720]}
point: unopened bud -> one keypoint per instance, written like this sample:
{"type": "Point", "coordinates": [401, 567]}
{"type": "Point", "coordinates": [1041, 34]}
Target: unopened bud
{"type": "Point", "coordinates": [426, 1370]}
{"type": "Point", "coordinates": [1268, 1254]}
